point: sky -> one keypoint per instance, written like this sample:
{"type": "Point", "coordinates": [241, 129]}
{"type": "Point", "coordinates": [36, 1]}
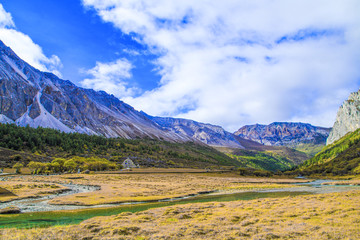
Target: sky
{"type": "Point", "coordinates": [229, 63]}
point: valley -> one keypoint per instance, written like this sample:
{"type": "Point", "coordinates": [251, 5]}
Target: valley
{"type": "Point", "coordinates": [229, 205]}
{"type": "Point", "coordinates": [80, 163]}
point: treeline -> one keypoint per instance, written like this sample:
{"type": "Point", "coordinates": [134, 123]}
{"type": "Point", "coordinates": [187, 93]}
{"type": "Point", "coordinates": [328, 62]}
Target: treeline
{"type": "Point", "coordinates": [147, 152]}
{"type": "Point", "coordinates": [72, 165]}
{"type": "Point", "coordinates": [39, 139]}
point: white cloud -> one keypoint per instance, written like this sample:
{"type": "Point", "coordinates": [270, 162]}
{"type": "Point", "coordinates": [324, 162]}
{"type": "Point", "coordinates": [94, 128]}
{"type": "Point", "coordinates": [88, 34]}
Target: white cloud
{"type": "Point", "coordinates": [131, 52]}
{"type": "Point", "coordinates": [24, 47]}
{"type": "Point", "coordinates": [239, 62]}
{"type": "Point", "coordinates": [5, 18]}
{"type": "Point", "coordinates": [111, 77]}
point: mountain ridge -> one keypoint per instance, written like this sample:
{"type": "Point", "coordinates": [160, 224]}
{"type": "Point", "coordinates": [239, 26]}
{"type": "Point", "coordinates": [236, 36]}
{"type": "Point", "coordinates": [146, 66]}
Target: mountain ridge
{"type": "Point", "coordinates": [204, 132]}
{"type": "Point", "coordinates": [284, 133]}
{"type": "Point", "coordinates": [43, 99]}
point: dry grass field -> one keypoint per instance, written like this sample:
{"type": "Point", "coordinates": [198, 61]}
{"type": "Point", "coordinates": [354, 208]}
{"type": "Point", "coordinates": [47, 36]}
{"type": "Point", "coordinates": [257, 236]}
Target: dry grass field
{"type": "Point", "coordinates": [323, 216]}
{"type": "Point", "coordinates": [20, 189]}
{"type": "Point", "coordinates": [118, 188]}
{"type": "Point", "coordinates": [353, 182]}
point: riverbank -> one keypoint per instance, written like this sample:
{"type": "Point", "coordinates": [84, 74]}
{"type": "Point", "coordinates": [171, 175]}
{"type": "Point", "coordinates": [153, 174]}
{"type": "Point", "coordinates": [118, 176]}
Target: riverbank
{"type": "Point", "coordinates": [122, 188]}
{"type": "Point", "coordinates": [24, 189]}
{"type": "Point", "coordinates": [344, 183]}
{"type": "Point", "coordinates": [322, 216]}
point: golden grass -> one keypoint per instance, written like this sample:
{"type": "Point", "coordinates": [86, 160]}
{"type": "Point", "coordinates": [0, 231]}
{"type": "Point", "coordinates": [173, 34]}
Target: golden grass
{"type": "Point", "coordinates": [323, 216]}
{"type": "Point", "coordinates": [346, 182]}
{"type": "Point", "coordinates": [117, 188]}
{"type": "Point", "coordinates": [26, 189]}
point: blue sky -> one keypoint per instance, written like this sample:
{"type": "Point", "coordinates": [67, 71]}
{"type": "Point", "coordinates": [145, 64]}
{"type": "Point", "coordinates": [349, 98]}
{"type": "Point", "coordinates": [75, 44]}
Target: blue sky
{"type": "Point", "coordinates": [228, 63]}
{"type": "Point", "coordinates": [79, 38]}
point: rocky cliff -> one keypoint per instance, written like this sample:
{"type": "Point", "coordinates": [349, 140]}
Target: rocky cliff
{"type": "Point", "coordinates": [347, 118]}
{"type": "Point", "coordinates": [31, 97]}
{"type": "Point", "coordinates": [284, 134]}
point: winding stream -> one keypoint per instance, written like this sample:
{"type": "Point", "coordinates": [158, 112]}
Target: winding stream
{"type": "Point", "coordinates": [40, 204]}
{"type": "Point", "coordinates": [37, 212]}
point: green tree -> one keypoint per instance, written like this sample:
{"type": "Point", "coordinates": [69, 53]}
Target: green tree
{"type": "Point", "coordinates": [18, 167]}
{"type": "Point", "coordinates": [70, 165]}
{"type": "Point", "coordinates": [60, 162]}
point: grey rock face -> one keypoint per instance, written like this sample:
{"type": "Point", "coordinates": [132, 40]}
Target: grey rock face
{"type": "Point", "coordinates": [31, 97]}
{"type": "Point", "coordinates": [347, 118]}
{"type": "Point", "coordinates": [284, 134]}
{"type": "Point", "coordinates": [206, 133]}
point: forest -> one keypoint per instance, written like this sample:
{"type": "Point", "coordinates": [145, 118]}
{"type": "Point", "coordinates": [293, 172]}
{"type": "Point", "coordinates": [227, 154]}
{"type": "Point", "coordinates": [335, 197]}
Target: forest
{"type": "Point", "coordinates": [50, 144]}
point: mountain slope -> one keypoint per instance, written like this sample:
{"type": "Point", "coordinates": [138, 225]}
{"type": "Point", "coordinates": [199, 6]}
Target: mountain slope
{"type": "Point", "coordinates": [206, 133]}
{"type": "Point", "coordinates": [259, 156]}
{"type": "Point", "coordinates": [31, 97]}
{"type": "Point", "coordinates": [284, 134]}
{"type": "Point", "coordinates": [248, 153]}
{"type": "Point", "coordinates": [347, 118]}
{"type": "Point", "coordinates": [25, 144]}
{"type": "Point", "coordinates": [339, 158]}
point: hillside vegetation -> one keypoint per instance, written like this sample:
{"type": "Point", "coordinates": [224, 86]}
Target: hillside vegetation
{"type": "Point", "coordinates": [340, 158]}
{"type": "Point", "coordinates": [262, 157]}
{"type": "Point", "coordinates": [261, 160]}
{"type": "Point", "coordinates": [310, 149]}
{"type": "Point", "coordinates": [24, 144]}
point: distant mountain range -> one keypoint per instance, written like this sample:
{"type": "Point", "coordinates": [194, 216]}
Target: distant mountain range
{"type": "Point", "coordinates": [31, 97]}
{"type": "Point", "coordinates": [206, 133]}
{"type": "Point", "coordinates": [284, 134]}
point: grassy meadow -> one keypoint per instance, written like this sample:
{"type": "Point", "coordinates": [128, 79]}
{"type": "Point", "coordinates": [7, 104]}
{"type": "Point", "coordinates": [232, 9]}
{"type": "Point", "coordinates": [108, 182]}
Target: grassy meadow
{"type": "Point", "coordinates": [24, 189]}
{"type": "Point", "coordinates": [323, 216]}
{"type": "Point", "coordinates": [137, 187]}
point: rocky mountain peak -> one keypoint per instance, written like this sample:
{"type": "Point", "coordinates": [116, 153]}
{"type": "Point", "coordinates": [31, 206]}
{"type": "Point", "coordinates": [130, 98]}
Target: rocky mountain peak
{"type": "Point", "coordinates": [284, 133]}
{"type": "Point", "coordinates": [347, 118]}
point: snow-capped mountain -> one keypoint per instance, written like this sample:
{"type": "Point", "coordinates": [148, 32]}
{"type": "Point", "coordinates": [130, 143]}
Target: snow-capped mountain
{"type": "Point", "coordinates": [31, 97]}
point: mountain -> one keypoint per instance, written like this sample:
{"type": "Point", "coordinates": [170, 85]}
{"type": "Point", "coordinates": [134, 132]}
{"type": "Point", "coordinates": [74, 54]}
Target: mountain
{"type": "Point", "coordinates": [31, 97]}
{"type": "Point", "coordinates": [338, 158]}
{"type": "Point", "coordinates": [341, 154]}
{"type": "Point", "coordinates": [248, 153]}
{"type": "Point", "coordinates": [284, 134]}
{"type": "Point", "coordinates": [27, 144]}
{"type": "Point", "coordinates": [347, 118]}
{"type": "Point", "coordinates": [209, 134]}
